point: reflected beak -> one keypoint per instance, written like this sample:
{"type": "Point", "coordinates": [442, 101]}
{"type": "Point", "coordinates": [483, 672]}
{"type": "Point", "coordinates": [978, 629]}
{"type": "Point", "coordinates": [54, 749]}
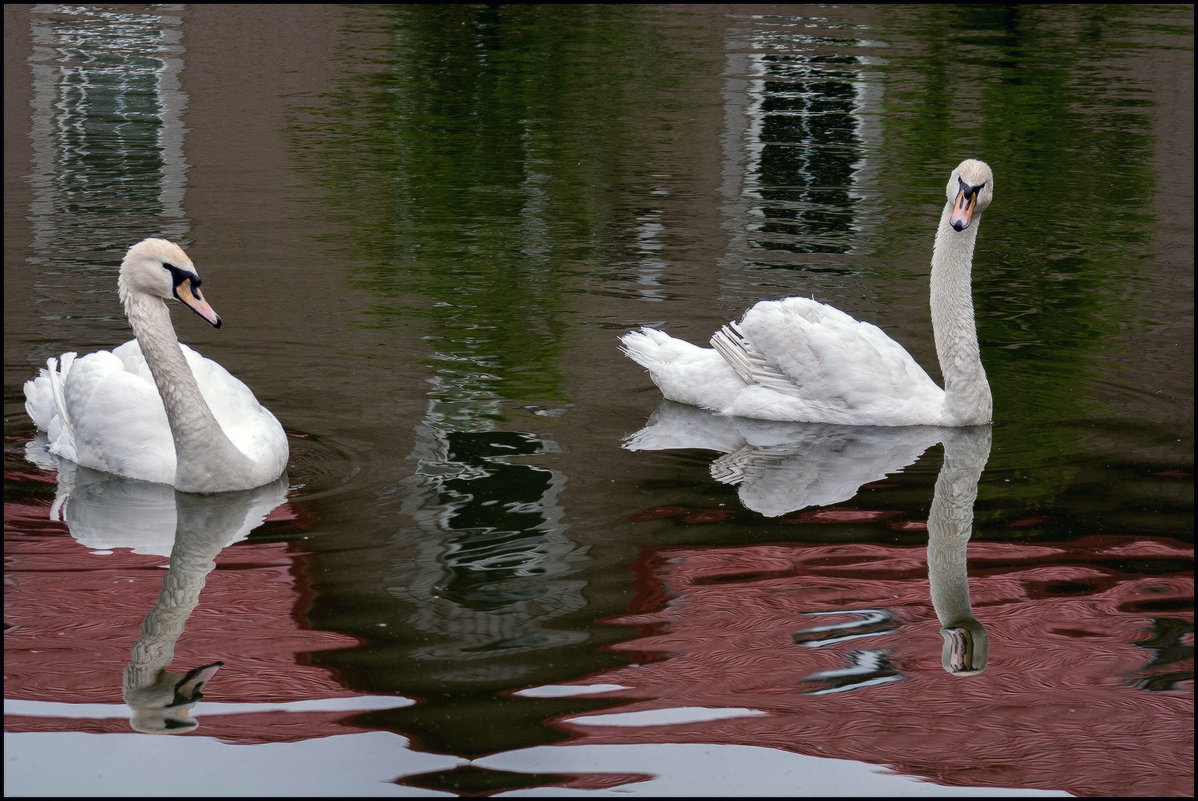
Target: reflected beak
{"type": "Point", "coordinates": [963, 207]}
{"type": "Point", "coordinates": [960, 648]}
{"type": "Point", "coordinates": [965, 651]}
{"type": "Point", "coordinates": [187, 689]}
{"type": "Point", "coordinates": [188, 292]}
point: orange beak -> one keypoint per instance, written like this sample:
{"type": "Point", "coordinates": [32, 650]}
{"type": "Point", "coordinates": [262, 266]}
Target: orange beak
{"type": "Point", "coordinates": [963, 208]}
{"type": "Point", "coordinates": [188, 293]}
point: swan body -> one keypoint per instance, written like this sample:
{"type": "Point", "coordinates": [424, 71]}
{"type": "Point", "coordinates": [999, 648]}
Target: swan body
{"type": "Point", "coordinates": [803, 361]}
{"type": "Point", "coordinates": [154, 409]}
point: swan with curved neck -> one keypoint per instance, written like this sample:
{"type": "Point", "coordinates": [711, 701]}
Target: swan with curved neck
{"type": "Point", "coordinates": [153, 409]}
{"type": "Point", "coordinates": [804, 361]}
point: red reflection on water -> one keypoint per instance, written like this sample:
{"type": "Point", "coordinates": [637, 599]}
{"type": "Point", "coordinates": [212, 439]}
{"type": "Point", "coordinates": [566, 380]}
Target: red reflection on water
{"type": "Point", "coordinates": [840, 516]}
{"type": "Point", "coordinates": [251, 616]}
{"type": "Point", "coordinates": [1061, 704]}
{"type": "Point", "coordinates": [660, 512]}
{"type": "Point", "coordinates": [684, 514]}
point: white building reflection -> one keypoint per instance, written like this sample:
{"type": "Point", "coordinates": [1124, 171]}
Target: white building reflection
{"type": "Point", "coordinates": [799, 150]}
{"type": "Point", "coordinates": [107, 125]}
{"type": "Point", "coordinates": [494, 566]}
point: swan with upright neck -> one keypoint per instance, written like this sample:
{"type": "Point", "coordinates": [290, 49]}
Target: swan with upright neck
{"type": "Point", "coordinates": [803, 361]}
{"type": "Point", "coordinates": [154, 409]}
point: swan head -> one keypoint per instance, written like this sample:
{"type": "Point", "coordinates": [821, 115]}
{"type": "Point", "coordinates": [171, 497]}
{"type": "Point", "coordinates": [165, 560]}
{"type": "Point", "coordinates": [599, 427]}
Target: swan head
{"type": "Point", "coordinates": [970, 190]}
{"type": "Point", "coordinates": [160, 269]}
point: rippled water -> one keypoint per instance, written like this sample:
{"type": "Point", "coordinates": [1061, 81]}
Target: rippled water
{"type": "Point", "coordinates": [497, 562]}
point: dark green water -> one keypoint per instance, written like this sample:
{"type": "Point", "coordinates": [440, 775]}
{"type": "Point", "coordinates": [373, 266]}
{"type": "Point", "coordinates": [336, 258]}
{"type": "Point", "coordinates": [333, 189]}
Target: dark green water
{"type": "Point", "coordinates": [425, 227]}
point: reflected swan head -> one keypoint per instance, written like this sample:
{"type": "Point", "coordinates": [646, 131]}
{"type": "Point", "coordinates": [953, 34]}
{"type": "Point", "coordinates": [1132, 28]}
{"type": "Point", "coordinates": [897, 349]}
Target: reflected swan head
{"type": "Point", "coordinates": [966, 648]}
{"type": "Point", "coordinates": [164, 706]}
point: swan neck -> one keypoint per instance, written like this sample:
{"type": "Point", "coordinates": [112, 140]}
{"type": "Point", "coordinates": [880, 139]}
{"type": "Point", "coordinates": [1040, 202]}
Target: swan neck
{"type": "Point", "coordinates": [200, 442]}
{"type": "Point", "coordinates": [967, 393]}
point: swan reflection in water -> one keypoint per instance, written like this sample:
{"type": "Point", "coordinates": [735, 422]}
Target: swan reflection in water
{"type": "Point", "coordinates": [103, 512]}
{"type": "Point", "coordinates": [780, 467]}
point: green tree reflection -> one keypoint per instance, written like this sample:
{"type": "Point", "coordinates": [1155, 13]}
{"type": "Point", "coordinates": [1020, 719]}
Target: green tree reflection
{"type": "Point", "coordinates": [474, 168]}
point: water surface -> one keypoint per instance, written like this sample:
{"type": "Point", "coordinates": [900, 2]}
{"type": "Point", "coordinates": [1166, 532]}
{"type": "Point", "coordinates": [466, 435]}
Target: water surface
{"type": "Point", "coordinates": [425, 228]}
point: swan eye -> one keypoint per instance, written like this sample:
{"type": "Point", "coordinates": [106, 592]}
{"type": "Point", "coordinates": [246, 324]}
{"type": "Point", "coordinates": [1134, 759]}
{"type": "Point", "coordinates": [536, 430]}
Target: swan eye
{"type": "Point", "coordinates": [970, 191]}
{"type": "Point", "coordinates": [180, 277]}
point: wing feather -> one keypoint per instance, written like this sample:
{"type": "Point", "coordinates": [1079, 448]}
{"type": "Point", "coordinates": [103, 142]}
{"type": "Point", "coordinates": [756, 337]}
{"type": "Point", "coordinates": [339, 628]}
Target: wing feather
{"type": "Point", "coordinates": [819, 356]}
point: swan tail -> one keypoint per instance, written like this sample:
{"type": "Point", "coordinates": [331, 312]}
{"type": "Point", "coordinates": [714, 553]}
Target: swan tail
{"type": "Point", "coordinates": [45, 402]}
{"type": "Point", "coordinates": [683, 372]}
{"type": "Point", "coordinates": [645, 347]}
{"type": "Point", "coordinates": [58, 378]}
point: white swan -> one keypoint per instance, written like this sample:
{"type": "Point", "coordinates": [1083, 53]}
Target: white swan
{"type": "Point", "coordinates": [153, 409]}
{"type": "Point", "coordinates": [803, 361]}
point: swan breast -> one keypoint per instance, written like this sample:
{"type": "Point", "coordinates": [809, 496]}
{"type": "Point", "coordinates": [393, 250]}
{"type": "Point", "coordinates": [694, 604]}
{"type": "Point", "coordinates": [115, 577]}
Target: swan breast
{"type": "Point", "coordinates": [249, 425]}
